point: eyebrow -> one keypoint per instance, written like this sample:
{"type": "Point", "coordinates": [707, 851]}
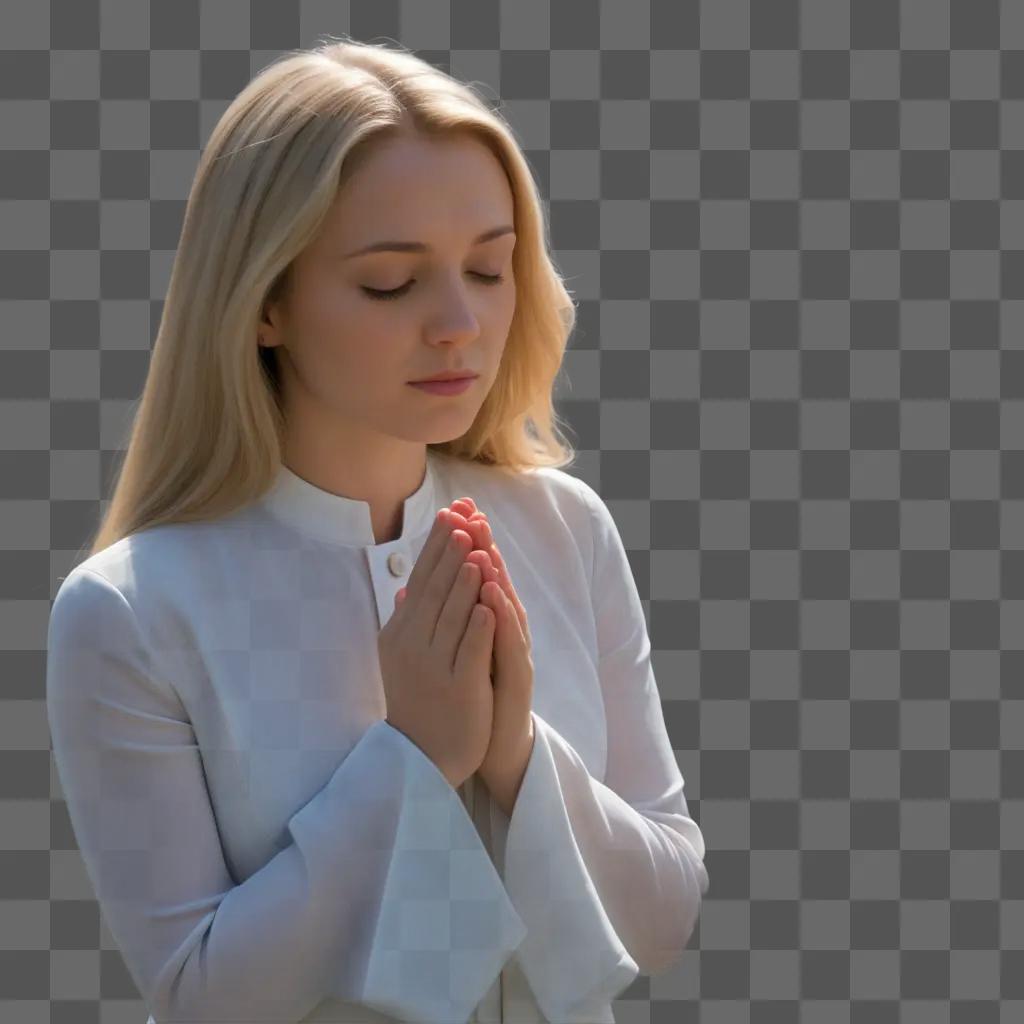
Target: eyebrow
{"type": "Point", "coordinates": [497, 232]}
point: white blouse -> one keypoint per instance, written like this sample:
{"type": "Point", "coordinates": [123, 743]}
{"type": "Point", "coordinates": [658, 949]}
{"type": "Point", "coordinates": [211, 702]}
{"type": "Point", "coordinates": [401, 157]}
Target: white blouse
{"type": "Point", "coordinates": [264, 846]}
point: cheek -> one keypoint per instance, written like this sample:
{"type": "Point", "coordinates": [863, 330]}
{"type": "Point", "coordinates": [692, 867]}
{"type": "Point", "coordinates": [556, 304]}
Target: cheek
{"type": "Point", "coordinates": [342, 332]}
{"type": "Point", "coordinates": [327, 309]}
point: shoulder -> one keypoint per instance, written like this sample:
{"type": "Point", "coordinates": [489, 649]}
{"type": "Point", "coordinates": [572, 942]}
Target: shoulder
{"type": "Point", "coordinates": [158, 560]}
{"type": "Point", "coordinates": [135, 602]}
{"type": "Point", "coordinates": [100, 648]}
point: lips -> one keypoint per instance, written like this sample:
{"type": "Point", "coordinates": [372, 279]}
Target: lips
{"type": "Point", "coordinates": [444, 387]}
{"type": "Point", "coordinates": [445, 378]}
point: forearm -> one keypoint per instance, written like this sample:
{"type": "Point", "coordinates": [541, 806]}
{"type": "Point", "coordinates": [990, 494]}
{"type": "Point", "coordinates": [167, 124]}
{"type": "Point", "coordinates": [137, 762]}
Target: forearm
{"type": "Point", "coordinates": [504, 784]}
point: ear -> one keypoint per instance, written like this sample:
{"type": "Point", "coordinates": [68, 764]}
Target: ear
{"type": "Point", "coordinates": [272, 316]}
{"type": "Point", "coordinates": [268, 332]}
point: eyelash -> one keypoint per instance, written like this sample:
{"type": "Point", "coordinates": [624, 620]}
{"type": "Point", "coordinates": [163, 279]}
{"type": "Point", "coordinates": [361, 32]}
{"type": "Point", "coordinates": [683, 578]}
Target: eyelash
{"type": "Point", "coordinates": [397, 293]}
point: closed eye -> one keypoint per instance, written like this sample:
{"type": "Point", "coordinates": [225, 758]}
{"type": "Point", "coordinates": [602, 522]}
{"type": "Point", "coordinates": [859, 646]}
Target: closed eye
{"type": "Point", "coordinates": [397, 293]}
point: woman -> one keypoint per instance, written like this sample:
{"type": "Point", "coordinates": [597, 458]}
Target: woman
{"type": "Point", "coordinates": [307, 783]}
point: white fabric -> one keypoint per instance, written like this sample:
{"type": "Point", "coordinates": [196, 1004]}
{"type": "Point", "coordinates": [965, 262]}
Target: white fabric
{"type": "Point", "coordinates": [265, 847]}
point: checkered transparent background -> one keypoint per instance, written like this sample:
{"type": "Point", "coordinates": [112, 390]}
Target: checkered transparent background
{"type": "Point", "coordinates": [795, 231]}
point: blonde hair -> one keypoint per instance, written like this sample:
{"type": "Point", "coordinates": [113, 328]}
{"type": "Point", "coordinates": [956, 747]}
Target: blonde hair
{"type": "Point", "coordinates": [208, 432]}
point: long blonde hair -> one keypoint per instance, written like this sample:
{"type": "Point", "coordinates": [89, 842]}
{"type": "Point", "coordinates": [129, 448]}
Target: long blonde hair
{"type": "Point", "coordinates": [207, 435]}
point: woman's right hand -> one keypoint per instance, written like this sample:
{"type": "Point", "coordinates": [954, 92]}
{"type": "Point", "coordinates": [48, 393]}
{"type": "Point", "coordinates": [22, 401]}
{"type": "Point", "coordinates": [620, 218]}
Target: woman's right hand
{"type": "Point", "coordinates": [435, 656]}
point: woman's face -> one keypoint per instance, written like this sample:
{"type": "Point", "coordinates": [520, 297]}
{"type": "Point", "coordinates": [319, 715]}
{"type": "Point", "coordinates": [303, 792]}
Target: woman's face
{"type": "Point", "coordinates": [347, 353]}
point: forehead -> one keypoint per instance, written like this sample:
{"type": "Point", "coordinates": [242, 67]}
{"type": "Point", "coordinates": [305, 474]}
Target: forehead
{"type": "Point", "coordinates": [437, 191]}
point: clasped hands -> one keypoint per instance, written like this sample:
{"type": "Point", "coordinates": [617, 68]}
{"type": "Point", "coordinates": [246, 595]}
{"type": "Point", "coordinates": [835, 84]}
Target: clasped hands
{"type": "Point", "coordinates": [512, 732]}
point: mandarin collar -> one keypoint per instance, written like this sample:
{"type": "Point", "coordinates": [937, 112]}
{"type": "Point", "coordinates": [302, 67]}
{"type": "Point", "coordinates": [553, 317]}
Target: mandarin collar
{"type": "Point", "coordinates": [337, 519]}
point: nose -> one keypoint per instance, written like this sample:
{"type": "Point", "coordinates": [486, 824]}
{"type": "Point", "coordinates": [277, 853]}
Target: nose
{"type": "Point", "coordinates": [457, 324]}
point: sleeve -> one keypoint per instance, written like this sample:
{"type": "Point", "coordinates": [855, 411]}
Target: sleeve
{"type": "Point", "coordinates": [384, 896]}
{"type": "Point", "coordinates": [608, 876]}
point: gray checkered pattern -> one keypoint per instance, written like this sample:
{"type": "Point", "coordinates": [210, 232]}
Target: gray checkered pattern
{"type": "Point", "coordinates": [796, 234]}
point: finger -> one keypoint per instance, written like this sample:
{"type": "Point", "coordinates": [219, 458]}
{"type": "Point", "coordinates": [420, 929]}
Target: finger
{"type": "Point", "coordinates": [466, 507]}
{"type": "Point", "coordinates": [472, 527]}
{"type": "Point", "coordinates": [479, 528]}
{"type": "Point", "coordinates": [456, 518]}
{"type": "Point", "coordinates": [505, 581]}
{"type": "Point", "coordinates": [483, 563]}
{"type": "Point", "coordinates": [509, 629]}
{"type": "Point", "coordinates": [491, 548]}
{"type": "Point", "coordinates": [433, 551]}
{"type": "Point", "coordinates": [486, 563]}
{"type": "Point", "coordinates": [512, 611]}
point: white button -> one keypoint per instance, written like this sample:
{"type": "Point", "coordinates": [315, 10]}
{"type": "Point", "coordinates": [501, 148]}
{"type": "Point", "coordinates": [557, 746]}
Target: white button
{"type": "Point", "coordinates": [396, 563]}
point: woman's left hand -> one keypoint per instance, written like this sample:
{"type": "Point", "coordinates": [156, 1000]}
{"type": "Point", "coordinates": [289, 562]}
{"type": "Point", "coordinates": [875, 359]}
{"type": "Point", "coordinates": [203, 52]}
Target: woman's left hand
{"type": "Point", "coordinates": [512, 732]}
